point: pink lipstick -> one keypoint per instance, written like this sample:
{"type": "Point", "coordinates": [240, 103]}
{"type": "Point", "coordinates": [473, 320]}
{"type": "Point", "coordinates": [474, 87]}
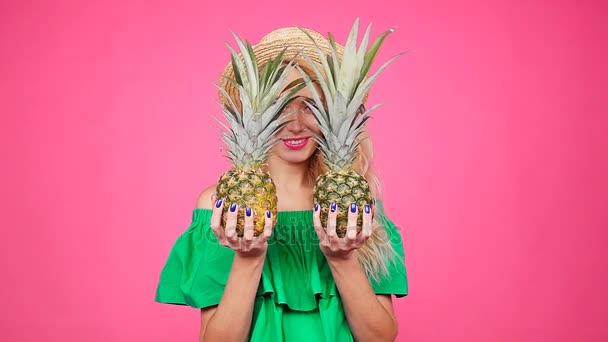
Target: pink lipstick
{"type": "Point", "coordinates": [295, 143]}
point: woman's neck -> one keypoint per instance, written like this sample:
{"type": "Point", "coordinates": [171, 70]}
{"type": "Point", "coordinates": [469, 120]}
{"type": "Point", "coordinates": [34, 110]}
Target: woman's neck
{"type": "Point", "coordinates": [293, 183]}
{"type": "Point", "coordinates": [289, 176]}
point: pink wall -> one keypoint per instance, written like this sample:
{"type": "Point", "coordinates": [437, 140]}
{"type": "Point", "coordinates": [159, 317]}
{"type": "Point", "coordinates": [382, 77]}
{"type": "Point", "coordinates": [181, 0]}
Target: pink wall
{"type": "Point", "coordinates": [496, 121]}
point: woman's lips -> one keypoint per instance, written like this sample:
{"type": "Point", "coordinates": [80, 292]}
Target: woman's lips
{"type": "Point", "coordinates": [295, 143]}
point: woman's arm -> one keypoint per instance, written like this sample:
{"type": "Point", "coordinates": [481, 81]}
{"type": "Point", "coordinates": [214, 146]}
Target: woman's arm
{"type": "Point", "coordinates": [369, 316]}
{"type": "Point", "coordinates": [231, 319]}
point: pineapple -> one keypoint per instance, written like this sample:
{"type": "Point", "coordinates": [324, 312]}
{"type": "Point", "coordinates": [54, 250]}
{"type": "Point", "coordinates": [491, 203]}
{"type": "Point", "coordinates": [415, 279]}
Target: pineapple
{"type": "Point", "coordinates": [344, 84]}
{"type": "Point", "coordinates": [250, 133]}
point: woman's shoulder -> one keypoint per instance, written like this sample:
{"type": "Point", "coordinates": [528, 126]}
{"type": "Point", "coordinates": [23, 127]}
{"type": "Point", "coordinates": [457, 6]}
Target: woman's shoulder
{"type": "Point", "coordinates": [205, 198]}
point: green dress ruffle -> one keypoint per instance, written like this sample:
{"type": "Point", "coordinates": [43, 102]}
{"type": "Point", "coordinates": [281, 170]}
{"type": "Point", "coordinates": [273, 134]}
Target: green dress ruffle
{"type": "Point", "coordinates": [297, 299]}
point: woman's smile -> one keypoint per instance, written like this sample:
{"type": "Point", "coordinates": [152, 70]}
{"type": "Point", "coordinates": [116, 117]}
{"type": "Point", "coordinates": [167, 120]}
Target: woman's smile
{"type": "Point", "coordinates": [295, 143]}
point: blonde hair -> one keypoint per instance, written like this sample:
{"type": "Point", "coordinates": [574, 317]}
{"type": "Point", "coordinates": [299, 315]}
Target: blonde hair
{"type": "Point", "coordinates": [377, 253]}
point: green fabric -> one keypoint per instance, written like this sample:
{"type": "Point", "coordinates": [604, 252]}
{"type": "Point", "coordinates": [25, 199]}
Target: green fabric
{"type": "Point", "coordinates": [297, 299]}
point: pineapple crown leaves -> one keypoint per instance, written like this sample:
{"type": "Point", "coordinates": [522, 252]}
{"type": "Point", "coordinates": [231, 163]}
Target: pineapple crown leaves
{"type": "Point", "coordinates": [249, 134]}
{"type": "Point", "coordinates": [344, 87]}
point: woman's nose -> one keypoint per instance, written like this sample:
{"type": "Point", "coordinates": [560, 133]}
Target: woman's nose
{"type": "Point", "coordinates": [296, 124]}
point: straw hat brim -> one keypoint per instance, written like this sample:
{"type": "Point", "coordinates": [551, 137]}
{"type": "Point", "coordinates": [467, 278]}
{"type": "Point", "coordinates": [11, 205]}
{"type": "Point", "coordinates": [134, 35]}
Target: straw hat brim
{"type": "Point", "coordinates": [295, 41]}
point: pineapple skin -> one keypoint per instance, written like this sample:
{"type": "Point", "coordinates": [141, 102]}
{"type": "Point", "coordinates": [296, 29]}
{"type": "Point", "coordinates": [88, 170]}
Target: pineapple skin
{"type": "Point", "coordinates": [248, 188]}
{"type": "Point", "coordinates": [344, 188]}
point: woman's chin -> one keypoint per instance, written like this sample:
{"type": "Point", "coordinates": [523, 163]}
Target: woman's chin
{"type": "Point", "coordinates": [295, 157]}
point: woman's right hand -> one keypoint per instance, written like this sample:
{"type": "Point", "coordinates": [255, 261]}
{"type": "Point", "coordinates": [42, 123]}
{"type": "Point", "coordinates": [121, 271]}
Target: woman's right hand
{"type": "Point", "coordinates": [248, 245]}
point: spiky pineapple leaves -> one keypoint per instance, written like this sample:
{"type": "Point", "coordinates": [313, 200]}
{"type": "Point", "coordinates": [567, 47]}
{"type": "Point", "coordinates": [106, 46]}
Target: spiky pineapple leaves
{"type": "Point", "coordinates": [255, 116]}
{"type": "Point", "coordinates": [344, 85]}
{"type": "Point", "coordinates": [260, 89]}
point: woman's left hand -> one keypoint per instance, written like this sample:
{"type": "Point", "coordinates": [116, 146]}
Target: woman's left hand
{"type": "Point", "coordinates": [334, 247]}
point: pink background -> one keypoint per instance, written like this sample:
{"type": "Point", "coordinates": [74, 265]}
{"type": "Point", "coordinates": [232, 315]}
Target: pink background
{"type": "Point", "coordinates": [497, 122]}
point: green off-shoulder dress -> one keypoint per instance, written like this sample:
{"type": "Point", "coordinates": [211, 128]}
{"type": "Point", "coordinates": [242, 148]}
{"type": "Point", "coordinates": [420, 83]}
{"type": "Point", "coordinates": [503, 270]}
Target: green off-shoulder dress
{"type": "Point", "coordinates": [297, 299]}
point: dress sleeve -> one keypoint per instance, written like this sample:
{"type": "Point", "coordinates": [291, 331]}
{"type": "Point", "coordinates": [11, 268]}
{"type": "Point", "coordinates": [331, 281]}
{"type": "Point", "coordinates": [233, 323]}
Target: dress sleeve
{"type": "Point", "coordinates": [395, 280]}
{"type": "Point", "coordinates": [197, 268]}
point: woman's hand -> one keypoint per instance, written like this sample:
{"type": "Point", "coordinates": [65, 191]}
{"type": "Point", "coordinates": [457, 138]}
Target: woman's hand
{"type": "Point", "coordinates": [248, 245]}
{"type": "Point", "coordinates": [334, 247]}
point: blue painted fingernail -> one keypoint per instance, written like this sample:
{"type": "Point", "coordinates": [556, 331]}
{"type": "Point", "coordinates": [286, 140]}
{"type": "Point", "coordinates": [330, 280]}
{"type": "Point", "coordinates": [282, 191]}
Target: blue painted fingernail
{"type": "Point", "coordinates": [248, 211]}
{"type": "Point", "coordinates": [353, 207]}
{"type": "Point", "coordinates": [233, 207]}
{"type": "Point", "coordinates": [367, 209]}
{"type": "Point", "coordinates": [316, 206]}
{"type": "Point", "coordinates": [268, 213]}
{"type": "Point", "coordinates": [218, 203]}
{"type": "Point", "coordinates": [333, 206]}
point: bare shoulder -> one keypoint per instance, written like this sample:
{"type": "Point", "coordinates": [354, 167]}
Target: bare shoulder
{"type": "Point", "coordinates": [204, 198]}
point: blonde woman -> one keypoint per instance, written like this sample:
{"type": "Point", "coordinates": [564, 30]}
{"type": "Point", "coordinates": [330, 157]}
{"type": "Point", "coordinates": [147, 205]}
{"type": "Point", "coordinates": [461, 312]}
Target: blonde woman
{"type": "Point", "coordinates": [298, 281]}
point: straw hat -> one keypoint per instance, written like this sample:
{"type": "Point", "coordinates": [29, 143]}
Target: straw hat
{"type": "Point", "coordinates": [274, 42]}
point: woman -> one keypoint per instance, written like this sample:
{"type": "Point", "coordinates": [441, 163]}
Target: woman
{"type": "Point", "coordinates": [298, 281]}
